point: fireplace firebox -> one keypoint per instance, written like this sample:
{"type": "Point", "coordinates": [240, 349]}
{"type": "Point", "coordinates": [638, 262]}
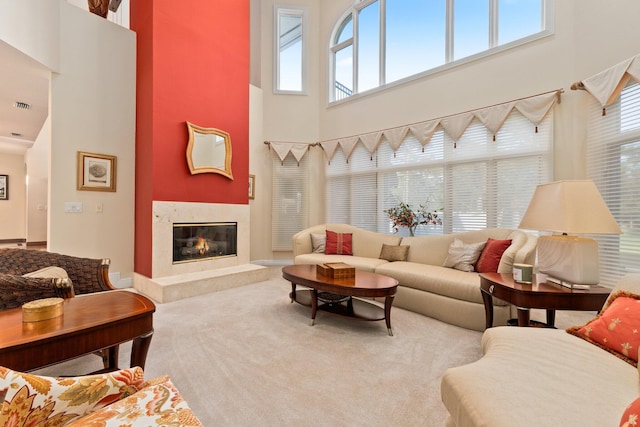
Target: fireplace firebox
{"type": "Point", "coordinates": [200, 241]}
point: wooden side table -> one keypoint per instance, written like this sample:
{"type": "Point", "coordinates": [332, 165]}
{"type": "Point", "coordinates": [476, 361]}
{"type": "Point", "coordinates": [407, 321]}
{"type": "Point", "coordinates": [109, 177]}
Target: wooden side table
{"type": "Point", "coordinates": [539, 294]}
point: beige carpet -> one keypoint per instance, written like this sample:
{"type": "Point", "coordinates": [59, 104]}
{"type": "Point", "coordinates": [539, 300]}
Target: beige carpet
{"type": "Point", "coordinates": [248, 357]}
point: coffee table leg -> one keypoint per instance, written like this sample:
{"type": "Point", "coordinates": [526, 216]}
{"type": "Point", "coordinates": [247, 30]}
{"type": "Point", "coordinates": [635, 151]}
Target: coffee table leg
{"type": "Point", "coordinates": [293, 292]}
{"type": "Point", "coordinates": [488, 309]}
{"type": "Point", "coordinates": [139, 350]}
{"type": "Point", "coordinates": [314, 305]}
{"type": "Point", "coordinates": [388, 301]}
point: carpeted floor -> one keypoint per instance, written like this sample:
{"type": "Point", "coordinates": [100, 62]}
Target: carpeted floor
{"type": "Point", "coordinates": [248, 357]}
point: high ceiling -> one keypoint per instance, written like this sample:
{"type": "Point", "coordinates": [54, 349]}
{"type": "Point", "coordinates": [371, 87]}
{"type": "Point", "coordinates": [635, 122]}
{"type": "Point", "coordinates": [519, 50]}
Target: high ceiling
{"type": "Point", "coordinates": [21, 80]}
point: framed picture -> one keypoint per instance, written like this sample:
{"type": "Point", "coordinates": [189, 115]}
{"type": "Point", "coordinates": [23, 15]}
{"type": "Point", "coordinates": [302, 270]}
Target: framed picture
{"type": "Point", "coordinates": [4, 187]}
{"type": "Point", "coordinates": [252, 187]}
{"type": "Point", "coordinates": [96, 172]}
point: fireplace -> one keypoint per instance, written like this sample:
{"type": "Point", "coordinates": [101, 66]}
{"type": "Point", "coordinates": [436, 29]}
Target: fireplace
{"type": "Point", "coordinates": [202, 241]}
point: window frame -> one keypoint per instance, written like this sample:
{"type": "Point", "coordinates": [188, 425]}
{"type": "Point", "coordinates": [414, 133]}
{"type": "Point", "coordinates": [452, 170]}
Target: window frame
{"type": "Point", "coordinates": [548, 29]}
{"type": "Point", "coordinates": [279, 11]}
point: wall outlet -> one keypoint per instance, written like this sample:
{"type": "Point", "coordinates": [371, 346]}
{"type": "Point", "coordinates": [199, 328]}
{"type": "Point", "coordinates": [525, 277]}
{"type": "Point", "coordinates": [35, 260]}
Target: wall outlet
{"type": "Point", "coordinates": [73, 207]}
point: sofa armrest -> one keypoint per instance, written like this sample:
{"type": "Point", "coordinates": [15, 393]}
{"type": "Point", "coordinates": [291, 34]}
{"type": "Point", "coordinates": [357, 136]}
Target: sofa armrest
{"type": "Point", "coordinates": [301, 241]}
{"type": "Point", "coordinates": [16, 290]}
{"type": "Point", "coordinates": [158, 403]}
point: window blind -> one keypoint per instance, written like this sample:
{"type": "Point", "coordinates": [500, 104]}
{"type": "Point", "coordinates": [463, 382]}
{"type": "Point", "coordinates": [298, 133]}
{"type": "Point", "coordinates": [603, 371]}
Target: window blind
{"type": "Point", "coordinates": [613, 162]}
{"type": "Point", "coordinates": [290, 204]}
{"type": "Point", "coordinates": [475, 183]}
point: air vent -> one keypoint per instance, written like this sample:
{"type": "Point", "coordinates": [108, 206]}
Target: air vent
{"type": "Point", "coordinates": [16, 134]}
{"type": "Point", "coordinates": [22, 105]}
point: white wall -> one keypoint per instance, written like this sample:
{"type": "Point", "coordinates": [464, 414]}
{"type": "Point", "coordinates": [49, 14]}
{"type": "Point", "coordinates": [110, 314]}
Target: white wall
{"type": "Point", "coordinates": [93, 110]}
{"type": "Point", "coordinates": [37, 161]}
{"type": "Point", "coordinates": [590, 35]}
{"type": "Point", "coordinates": [32, 26]}
{"type": "Point", "coordinates": [12, 211]}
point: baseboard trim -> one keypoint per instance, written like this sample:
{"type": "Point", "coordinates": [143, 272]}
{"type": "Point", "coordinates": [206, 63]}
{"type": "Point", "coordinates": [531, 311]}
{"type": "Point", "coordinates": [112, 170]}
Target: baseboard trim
{"type": "Point", "coordinates": [44, 243]}
{"type": "Point", "coordinates": [13, 240]}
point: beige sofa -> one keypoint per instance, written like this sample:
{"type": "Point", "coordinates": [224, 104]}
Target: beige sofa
{"type": "Point", "coordinates": [426, 287]}
{"type": "Point", "coordinates": [541, 377]}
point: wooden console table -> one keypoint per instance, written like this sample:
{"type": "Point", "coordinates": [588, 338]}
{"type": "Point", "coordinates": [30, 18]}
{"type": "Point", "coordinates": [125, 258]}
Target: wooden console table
{"type": "Point", "coordinates": [90, 323]}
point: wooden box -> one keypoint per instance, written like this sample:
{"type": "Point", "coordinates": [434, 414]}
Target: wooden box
{"type": "Point", "coordinates": [42, 309]}
{"type": "Point", "coordinates": [336, 270]}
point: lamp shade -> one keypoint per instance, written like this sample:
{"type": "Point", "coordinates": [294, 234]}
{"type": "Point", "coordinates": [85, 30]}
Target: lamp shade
{"type": "Point", "coordinates": [572, 207]}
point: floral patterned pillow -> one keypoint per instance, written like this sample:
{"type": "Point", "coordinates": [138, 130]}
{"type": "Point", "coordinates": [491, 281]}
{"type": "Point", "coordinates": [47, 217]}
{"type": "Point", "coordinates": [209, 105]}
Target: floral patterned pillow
{"type": "Point", "coordinates": [158, 403]}
{"type": "Point", "coordinates": [29, 400]}
{"type": "Point", "coordinates": [615, 329]}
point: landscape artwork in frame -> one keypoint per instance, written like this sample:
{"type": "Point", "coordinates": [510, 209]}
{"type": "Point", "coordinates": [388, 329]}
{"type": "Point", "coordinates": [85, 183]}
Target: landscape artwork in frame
{"type": "Point", "coordinates": [96, 172]}
{"type": "Point", "coordinates": [252, 187]}
{"type": "Point", "coordinates": [4, 187]}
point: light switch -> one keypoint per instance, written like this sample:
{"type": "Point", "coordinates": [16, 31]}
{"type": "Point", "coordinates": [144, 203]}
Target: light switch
{"type": "Point", "coordinates": [98, 207]}
{"type": "Point", "coordinates": [73, 207]}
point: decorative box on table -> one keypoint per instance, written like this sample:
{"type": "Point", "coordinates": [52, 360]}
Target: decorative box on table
{"type": "Point", "coordinates": [42, 309]}
{"type": "Point", "coordinates": [336, 270]}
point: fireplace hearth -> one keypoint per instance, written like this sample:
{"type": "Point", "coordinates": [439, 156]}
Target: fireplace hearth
{"type": "Point", "coordinates": [202, 241]}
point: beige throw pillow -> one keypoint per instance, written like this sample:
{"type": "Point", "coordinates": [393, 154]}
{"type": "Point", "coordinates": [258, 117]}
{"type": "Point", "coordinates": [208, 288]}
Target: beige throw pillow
{"type": "Point", "coordinates": [463, 257]}
{"type": "Point", "coordinates": [318, 243]}
{"type": "Point", "coordinates": [394, 252]}
{"type": "Point", "coordinates": [49, 272]}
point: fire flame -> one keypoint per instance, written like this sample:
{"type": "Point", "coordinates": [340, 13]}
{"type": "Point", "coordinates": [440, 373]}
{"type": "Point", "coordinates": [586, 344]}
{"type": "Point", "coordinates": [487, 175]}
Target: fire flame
{"type": "Point", "coordinates": [202, 247]}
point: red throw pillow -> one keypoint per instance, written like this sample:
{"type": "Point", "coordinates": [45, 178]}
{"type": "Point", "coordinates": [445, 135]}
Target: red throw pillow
{"type": "Point", "coordinates": [615, 329]}
{"type": "Point", "coordinates": [338, 243]}
{"type": "Point", "coordinates": [631, 415]}
{"type": "Point", "coordinates": [489, 259]}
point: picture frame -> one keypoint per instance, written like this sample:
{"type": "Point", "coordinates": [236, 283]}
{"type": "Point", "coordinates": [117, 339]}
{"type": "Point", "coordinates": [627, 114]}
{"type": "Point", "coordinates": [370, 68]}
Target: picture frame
{"type": "Point", "coordinates": [96, 172]}
{"type": "Point", "coordinates": [4, 187]}
{"type": "Point", "coordinates": [252, 187]}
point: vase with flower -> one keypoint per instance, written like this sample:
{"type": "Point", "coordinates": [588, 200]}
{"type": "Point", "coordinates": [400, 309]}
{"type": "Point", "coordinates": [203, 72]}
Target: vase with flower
{"type": "Point", "coordinates": [402, 215]}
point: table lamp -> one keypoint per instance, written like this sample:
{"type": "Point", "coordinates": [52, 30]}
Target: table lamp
{"type": "Point", "coordinates": [569, 208]}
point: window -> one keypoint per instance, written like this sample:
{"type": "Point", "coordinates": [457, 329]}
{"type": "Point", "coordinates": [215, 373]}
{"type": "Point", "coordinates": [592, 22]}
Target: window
{"type": "Point", "coordinates": [290, 202]}
{"type": "Point", "coordinates": [377, 42]}
{"type": "Point", "coordinates": [290, 73]}
{"type": "Point", "coordinates": [613, 162]}
{"type": "Point", "coordinates": [478, 184]}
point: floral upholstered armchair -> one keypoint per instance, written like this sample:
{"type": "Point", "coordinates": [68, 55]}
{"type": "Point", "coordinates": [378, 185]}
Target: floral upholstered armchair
{"type": "Point", "coordinates": [114, 399]}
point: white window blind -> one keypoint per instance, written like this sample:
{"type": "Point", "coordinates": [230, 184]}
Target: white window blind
{"type": "Point", "coordinates": [480, 183]}
{"type": "Point", "coordinates": [613, 162]}
{"type": "Point", "coordinates": [290, 204]}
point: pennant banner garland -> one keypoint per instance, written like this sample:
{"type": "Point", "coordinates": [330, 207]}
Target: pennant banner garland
{"type": "Point", "coordinates": [534, 108]}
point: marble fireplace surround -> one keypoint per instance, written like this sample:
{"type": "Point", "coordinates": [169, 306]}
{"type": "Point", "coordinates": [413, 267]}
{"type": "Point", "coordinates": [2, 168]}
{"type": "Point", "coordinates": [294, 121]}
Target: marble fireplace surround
{"type": "Point", "coordinates": [171, 282]}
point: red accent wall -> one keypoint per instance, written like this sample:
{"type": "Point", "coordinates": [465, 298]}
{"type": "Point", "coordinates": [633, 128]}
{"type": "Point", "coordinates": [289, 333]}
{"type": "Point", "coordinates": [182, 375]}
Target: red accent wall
{"type": "Point", "coordinates": [192, 65]}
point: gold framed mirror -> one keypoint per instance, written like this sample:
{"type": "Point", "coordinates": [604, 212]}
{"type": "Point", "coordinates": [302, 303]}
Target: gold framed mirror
{"type": "Point", "coordinates": [209, 151]}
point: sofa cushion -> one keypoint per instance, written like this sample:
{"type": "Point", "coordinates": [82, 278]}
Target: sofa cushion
{"type": "Point", "coordinates": [362, 263]}
{"type": "Point", "coordinates": [538, 377]}
{"type": "Point", "coordinates": [48, 272]}
{"type": "Point", "coordinates": [338, 243]}
{"type": "Point", "coordinates": [40, 400]}
{"type": "Point", "coordinates": [318, 243]}
{"type": "Point", "coordinates": [489, 259]}
{"type": "Point", "coordinates": [158, 403]}
{"type": "Point", "coordinates": [394, 253]}
{"type": "Point", "coordinates": [463, 257]}
{"type": "Point", "coordinates": [615, 329]}
{"type": "Point", "coordinates": [631, 415]}
{"type": "Point", "coordinates": [438, 280]}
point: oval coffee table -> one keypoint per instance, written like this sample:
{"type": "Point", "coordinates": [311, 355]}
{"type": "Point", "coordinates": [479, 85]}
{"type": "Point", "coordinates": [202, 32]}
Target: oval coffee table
{"type": "Point", "coordinates": [365, 284]}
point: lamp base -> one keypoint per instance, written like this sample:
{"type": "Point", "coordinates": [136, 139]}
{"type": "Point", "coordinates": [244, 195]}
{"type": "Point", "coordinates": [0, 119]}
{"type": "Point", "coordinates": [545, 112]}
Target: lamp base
{"type": "Point", "coordinates": [570, 259]}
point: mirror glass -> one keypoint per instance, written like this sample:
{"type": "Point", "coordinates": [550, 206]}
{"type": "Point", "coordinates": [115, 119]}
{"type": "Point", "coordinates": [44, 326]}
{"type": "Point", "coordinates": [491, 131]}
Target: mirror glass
{"type": "Point", "coordinates": [209, 151]}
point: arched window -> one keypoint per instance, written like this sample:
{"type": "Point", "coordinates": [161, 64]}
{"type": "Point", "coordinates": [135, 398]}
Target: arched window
{"type": "Point", "coordinates": [378, 42]}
